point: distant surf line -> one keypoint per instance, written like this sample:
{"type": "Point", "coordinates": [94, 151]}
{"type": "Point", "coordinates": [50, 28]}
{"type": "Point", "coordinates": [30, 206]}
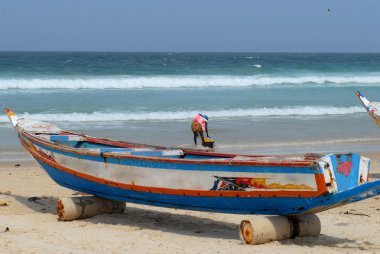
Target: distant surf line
{"type": "Point", "coordinates": [185, 115]}
{"type": "Point", "coordinates": [186, 81]}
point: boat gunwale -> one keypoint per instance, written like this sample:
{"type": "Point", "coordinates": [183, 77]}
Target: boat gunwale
{"type": "Point", "coordinates": [82, 151]}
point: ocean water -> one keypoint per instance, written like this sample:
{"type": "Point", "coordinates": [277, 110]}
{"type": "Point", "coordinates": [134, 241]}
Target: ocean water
{"type": "Point", "coordinates": [257, 102]}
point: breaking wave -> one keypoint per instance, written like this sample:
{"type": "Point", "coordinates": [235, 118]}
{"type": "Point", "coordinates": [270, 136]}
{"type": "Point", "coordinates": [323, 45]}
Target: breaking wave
{"type": "Point", "coordinates": [186, 81]}
{"type": "Point", "coordinates": [185, 115]}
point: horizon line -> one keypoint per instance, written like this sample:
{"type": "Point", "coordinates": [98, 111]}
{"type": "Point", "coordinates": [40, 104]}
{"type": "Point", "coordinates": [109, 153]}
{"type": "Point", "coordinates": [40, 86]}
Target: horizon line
{"type": "Point", "coordinates": [194, 52]}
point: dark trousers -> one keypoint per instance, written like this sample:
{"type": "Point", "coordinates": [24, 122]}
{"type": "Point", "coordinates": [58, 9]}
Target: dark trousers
{"type": "Point", "coordinates": [196, 133]}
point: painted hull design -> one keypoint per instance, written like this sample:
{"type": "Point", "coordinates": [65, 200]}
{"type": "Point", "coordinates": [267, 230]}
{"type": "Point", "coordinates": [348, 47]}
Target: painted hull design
{"type": "Point", "coordinates": [197, 180]}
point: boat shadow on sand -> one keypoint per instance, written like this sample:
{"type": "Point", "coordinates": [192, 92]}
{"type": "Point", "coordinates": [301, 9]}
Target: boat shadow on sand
{"type": "Point", "coordinates": [178, 223]}
{"type": "Point", "coordinates": [142, 218]}
{"type": "Point", "coordinates": [42, 204]}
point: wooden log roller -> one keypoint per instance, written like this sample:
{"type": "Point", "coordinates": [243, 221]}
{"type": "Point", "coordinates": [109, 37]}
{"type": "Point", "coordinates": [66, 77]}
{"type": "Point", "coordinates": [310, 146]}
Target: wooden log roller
{"type": "Point", "coordinates": [276, 228]}
{"type": "Point", "coordinates": [72, 208]}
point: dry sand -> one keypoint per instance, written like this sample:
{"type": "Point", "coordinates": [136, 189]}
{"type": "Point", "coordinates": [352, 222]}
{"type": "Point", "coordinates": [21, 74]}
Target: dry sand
{"type": "Point", "coordinates": [34, 228]}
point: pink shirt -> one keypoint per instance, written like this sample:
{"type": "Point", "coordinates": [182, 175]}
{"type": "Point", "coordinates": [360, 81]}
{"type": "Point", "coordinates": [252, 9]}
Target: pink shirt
{"type": "Point", "coordinates": [201, 120]}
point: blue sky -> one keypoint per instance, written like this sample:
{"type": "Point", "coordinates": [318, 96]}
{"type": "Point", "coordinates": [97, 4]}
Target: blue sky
{"type": "Point", "coordinates": [197, 25]}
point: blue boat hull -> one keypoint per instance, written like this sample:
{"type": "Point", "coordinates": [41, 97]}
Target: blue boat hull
{"type": "Point", "coordinates": [234, 205]}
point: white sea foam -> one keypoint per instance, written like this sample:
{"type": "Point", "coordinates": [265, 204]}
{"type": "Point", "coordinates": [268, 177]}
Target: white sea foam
{"type": "Point", "coordinates": [185, 115]}
{"type": "Point", "coordinates": [186, 81]}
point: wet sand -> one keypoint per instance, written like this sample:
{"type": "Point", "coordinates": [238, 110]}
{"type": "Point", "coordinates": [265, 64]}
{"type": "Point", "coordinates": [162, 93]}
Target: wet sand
{"type": "Point", "coordinates": [28, 224]}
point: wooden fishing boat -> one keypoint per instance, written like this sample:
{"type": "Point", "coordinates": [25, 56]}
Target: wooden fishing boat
{"type": "Point", "coordinates": [196, 180]}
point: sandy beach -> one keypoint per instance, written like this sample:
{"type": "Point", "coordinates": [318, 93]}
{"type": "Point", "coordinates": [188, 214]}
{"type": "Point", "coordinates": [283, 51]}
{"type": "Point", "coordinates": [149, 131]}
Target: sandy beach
{"type": "Point", "coordinates": [29, 224]}
{"type": "Point", "coordinates": [86, 84]}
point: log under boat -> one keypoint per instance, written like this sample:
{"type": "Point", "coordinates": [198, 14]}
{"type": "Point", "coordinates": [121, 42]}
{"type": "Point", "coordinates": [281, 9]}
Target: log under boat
{"type": "Point", "coordinates": [196, 180]}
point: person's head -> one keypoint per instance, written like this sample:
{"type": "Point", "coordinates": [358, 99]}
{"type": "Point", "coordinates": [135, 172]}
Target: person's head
{"type": "Point", "coordinates": [205, 117]}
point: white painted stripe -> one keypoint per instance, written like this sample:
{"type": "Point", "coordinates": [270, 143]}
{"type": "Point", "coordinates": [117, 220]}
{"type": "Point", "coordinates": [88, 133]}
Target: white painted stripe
{"type": "Point", "coordinates": [363, 169]}
{"type": "Point", "coordinates": [329, 173]}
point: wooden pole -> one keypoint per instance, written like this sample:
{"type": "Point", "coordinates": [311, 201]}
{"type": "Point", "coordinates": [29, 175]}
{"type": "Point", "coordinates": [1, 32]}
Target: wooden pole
{"type": "Point", "coordinates": [72, 208]}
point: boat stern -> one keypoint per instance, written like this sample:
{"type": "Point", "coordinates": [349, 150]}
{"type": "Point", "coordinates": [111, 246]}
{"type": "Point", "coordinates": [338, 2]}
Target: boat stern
{"type": "Point", "coordinates": [344, 171]}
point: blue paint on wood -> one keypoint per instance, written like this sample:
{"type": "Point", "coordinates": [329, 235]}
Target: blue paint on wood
{"type": "Point", "coordinates": [346, 176]}
{"type": "Point", "coordinates": [59, 138]}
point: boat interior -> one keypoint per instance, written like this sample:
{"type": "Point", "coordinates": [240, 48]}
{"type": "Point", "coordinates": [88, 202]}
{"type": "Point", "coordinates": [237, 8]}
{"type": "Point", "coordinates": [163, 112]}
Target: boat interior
{"type": "Point", "coordinates": [84, 142]}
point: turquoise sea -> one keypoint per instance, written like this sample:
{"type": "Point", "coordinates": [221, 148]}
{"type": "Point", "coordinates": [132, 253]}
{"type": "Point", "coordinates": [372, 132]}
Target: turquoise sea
{"type": "Point", "coordinates": [257, 102]}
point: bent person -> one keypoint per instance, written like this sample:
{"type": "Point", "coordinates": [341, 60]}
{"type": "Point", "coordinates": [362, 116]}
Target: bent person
{"type": "Point", "coordinates": [198, 126]}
